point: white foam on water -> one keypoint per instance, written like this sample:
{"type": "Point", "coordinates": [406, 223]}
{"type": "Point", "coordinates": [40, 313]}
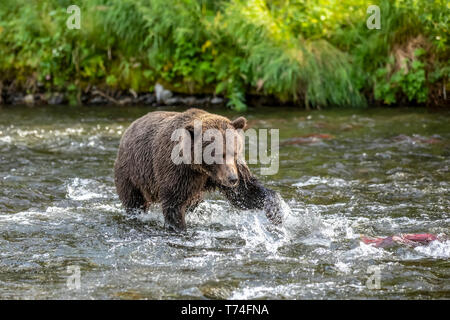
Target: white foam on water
{"type": "Point", "coordinates": [27, 217]}
{"type": "Point", "coordinates": [113, 207]}
{"type": "Point", "coordinates": [257, 235]}
{"type": "Point", "coordinates": [22, 217]}
{"type": "Point", "coordinates": [316, 180]}
{"type": "Point", "coordinates": [263, 291]}
{"type": "Point", "coordinates": [61, 139]}
{"type": "Point", "coordinates": [435, 249]}
{"type": "Point", "coordinates": [343, 267]}
{"type": "Point", "coordinates": [6, 139]}
{"type": "Point", "coordinates": [298, 224]}
{"type": "Point", "coordinates": [365, 252]}
{"type": "Point", "coordinates": [153, 215]}
{"type": "Point", "coordinates": [214, 211]}
{"type": "Point", "coordinates": [83, 189]}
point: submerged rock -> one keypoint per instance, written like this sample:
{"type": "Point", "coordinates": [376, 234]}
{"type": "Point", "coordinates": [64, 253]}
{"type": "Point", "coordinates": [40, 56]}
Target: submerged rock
{"type": "Point", "coordinates": [146, 99]}
{"type": "Point", "coordinates": [216, 100]}
{"type": "Point", "coordinates": [190, 101]}
{"type": "Point", "coordinates": [95, 96]}
{"type": "Point", "coordinates": [28, 100]}
{"type": "Point", "coordinates": [172, 101]}
{"type": "Point", "coordinates": [98, 100]}
{"type": "Point", "coordinates": [56, 98]}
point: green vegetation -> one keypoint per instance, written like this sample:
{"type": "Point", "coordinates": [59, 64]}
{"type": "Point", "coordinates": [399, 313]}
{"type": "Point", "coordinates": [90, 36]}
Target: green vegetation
{"type": "Point", "coordinates": [315, 53]}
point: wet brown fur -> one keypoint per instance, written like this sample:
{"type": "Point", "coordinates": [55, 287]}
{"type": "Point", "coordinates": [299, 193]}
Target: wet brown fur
{"type": "Point", "coordinates": [144, 172]}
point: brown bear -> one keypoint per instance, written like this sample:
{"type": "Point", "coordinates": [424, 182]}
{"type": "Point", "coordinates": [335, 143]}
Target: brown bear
{"type": "Point", "coordinates": [145, 173]}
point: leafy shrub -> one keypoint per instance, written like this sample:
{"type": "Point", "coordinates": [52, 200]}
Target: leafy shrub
{"type": "Point", "coordinates": [316, 53]}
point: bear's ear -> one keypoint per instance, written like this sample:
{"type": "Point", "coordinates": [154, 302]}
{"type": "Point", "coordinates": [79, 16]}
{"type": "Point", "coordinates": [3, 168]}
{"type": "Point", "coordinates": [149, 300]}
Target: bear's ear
{"type": "Point", "coordinates": [239, 123]}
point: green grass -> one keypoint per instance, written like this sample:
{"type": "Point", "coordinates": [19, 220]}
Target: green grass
{"type": "Point", "coordinates": [315, 53]}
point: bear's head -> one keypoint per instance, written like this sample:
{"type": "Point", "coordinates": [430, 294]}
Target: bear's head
{"type": "Point", "coordinates": [217, 148]}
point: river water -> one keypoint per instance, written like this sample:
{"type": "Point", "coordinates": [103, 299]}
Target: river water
{"type": "Point", "coordinates": [343, 174]}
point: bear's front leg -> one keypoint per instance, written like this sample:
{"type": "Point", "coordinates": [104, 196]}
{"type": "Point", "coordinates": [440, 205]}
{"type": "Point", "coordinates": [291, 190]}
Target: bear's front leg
{"type": "Point", "coordinates": [174, 218]}
{"type": "Point", "coordinates": [251, 194]}
{"type": "Point", "coordinates": [174, 204]}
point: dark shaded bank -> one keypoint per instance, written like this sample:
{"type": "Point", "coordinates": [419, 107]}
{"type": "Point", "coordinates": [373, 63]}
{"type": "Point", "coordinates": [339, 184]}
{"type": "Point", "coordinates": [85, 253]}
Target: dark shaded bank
{"type": "Point", "coordinates": [93, 97]}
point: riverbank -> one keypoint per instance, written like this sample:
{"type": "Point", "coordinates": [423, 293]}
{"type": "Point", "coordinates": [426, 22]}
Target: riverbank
{"type": "Point", "coordinates": [94, 96]}
{"type": "Point", "coordinates": [97, 97]}
{"type": "Point", "coordinates": [313, 55]}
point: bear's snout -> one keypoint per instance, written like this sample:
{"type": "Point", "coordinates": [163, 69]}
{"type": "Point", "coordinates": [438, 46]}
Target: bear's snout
{"type": "Point", "coordinates": [233, 179]}
{"type": "Point", "coordinates": [227, 175]}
